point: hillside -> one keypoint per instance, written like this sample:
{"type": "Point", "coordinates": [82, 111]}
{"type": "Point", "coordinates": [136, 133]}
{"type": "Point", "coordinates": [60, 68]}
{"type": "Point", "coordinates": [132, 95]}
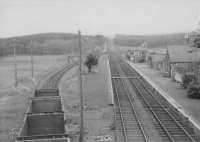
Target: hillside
{"type": "Point", "coordinates": [48, 44]}
{"type": "Point", "coordinates": [151, 40]}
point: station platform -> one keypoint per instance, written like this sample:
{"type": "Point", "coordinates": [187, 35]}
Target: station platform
{"type": "Point", "coordinates": [172, 91]}
{"type": "Point", "coordinates": [109, 83]}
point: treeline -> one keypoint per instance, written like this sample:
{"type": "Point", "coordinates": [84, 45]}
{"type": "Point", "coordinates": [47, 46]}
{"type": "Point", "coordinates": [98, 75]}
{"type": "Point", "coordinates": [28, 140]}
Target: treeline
{"type": "Point", "coordinates": [47, 44]}
{"type": "Point", "coordinates": [151, 40]}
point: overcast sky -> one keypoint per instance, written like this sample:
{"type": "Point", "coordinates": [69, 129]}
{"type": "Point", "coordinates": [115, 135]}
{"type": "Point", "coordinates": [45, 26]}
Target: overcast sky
{"type": "Point", "coordinates": [21, 17]}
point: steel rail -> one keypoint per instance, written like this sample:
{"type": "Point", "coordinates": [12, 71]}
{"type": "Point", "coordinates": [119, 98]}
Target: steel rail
{"type": "Point", "coordinates": [120, 111]}
{"type": "Point", "coordinates": [146, 102]}
{"type": "Point", "coordinates": [53, 80]}
{"type": "Point", "coordinates": [167, 112]}
{"type": "Point", "coordinates": [136, 115]}
{"type": "Point", "coordinates": [170, 115]}
{"type": "Point", "coordinates": [132, 107]}
{"type": "Point", "coordinates": [125, 77]}
{"type": "Point", "coordinates": [150, 108]}
{"type": "Point", "coordinates": [131, 103]}
{"type": "Point", "coordinates": [157, 118]}
{"type": "Point", "coordinates": [180, 126]}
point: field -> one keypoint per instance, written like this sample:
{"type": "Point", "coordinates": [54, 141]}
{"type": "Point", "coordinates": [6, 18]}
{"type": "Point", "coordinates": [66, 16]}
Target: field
{"type": "Point", "coordinates": [41, 64]}
{"type": "Point", "coordinates": [14, 101]}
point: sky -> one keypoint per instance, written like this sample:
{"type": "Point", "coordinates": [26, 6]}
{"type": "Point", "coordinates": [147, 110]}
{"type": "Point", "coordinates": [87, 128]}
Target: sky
{"type": "Point", "coordinates": [108, 17]}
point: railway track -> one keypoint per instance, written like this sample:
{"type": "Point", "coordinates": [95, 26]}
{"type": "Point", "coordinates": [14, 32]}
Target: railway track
{"type": "Point", "coordinates": [125, 111]}
{"type": "Point", "coordinates": [126, 116]}
{"type": "Point", "coordinates": [169, 128]}
{"type": "Point", "coordinates": [53, 80]}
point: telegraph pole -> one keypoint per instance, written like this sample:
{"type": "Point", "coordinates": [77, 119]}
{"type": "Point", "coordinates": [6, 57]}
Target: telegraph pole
{"type": "Point", "coordinates": [15, 64]}
{"type": "Point", "coordinates": [31, 54]}
{"type": "Point", "coordinates": [81, 88]}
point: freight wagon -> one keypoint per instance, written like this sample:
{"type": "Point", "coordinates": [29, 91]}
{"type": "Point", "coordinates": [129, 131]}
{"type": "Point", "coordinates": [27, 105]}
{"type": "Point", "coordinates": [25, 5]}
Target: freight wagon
{"type": "Point", "coordinates": [45, 119]}
{"type": "Point", "coordinates": [43, 127]}
{"type": "Point", "coordinates": [45, 105]}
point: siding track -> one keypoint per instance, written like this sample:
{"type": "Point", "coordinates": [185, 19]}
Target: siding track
{"type": "Point", "coordinates": [54, 78]}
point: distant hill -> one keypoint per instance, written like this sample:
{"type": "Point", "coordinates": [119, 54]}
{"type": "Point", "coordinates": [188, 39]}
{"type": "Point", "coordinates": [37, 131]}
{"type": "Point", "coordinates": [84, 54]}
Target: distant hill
{"type": "Point", "coordinates": [151, 40]}
{"type": "Point", "coordinates": [48, 43]}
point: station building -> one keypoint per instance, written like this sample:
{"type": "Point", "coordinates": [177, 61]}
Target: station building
{"type": "Point", "coordinates": [176, 61]}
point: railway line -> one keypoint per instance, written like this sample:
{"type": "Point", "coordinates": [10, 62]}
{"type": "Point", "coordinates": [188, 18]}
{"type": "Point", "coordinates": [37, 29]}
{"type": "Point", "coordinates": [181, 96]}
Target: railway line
{"type": "Point", "coordinates": [127, 113]}
{"type": "Point", "coordinates": [128, 116]}
{"type": "Point", "coordinates": [54, 78]}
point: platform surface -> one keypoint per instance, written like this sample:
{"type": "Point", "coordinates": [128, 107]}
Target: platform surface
{"type": "Point", "coordinates": [172, 91]}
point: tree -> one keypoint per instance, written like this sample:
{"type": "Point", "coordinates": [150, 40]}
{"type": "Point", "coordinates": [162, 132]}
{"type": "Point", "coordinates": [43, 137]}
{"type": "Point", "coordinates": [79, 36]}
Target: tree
{"type": "Point", "coordinates": [91, 61]}
{"type": "Point", "coordinates": [197, 42]}
{"type": "Point", "coordinates": [197, 36]}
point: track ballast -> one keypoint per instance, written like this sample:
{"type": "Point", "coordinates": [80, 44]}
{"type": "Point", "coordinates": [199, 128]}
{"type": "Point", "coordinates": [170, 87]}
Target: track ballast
{"type": "Point", "coordinates": [128, 119]}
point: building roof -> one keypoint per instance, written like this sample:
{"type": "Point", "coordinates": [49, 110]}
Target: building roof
{"type": "Point", "coordinates": [179, 53]}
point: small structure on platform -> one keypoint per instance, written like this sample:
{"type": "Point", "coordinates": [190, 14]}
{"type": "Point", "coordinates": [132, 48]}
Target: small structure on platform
{"type": "Point", "coordinates": [155, 58]}
{"type": "Point", "coordinates": [137, 54]}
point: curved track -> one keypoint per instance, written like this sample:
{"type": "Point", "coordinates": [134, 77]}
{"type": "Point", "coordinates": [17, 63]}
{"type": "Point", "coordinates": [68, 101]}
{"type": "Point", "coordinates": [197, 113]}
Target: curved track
{"type": "Point", "coordinates": [53, 79]}
{"type": "Point", "coordinates": [170, 129]}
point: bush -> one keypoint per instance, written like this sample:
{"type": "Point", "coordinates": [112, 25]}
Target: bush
{"type": "Point", "coordinates": [193, 90]}
{"type": "Point", "coordinates": [128, 57]}
{"type": "Point", "coordinates": [187, 79]}
{"type": "Point", "coordinates": [91, 60]}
